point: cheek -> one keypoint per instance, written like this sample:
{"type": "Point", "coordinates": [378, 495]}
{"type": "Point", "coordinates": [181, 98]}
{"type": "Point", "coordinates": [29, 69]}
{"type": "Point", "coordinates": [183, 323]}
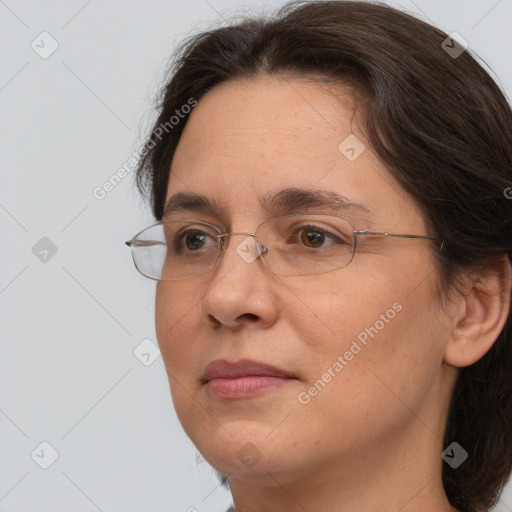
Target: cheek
{"type": "Point", "coordinates": [390, 352]}
{"type": "Point", "coordinates": [388, 377]}
{"type": "Point", "coordinates": [176, 317]}
{"type": "Point", "coordinates": [380, 327]}
{"type": "Point", "coordinates": [176, 321]}
{"type": "Point", "coordinates": [341, 308]}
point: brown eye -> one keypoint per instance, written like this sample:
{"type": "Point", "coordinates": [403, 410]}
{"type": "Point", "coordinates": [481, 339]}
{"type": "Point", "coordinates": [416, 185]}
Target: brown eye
{"type": "Point", "coordinates": [313, 237]}
{"type": "Point", "coordinates": [193, 239]}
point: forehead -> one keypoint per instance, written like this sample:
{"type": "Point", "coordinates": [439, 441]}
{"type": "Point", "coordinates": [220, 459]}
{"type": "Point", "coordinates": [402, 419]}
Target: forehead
{"type": "Point", "coordinates": [287, 114]}
{"type": "Point", "coordinates": [247, 139]}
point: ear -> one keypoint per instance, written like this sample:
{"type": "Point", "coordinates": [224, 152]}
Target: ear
{"type": "Point", "coordinates": [481, 313]}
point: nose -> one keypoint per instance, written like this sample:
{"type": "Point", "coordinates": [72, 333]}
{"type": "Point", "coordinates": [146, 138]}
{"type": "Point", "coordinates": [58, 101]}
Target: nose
{"type": "Point", "coordinates": [239, 291]}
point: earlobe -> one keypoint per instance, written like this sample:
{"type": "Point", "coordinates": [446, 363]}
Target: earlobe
{"type": "Point", "coordinates": [482, 314]}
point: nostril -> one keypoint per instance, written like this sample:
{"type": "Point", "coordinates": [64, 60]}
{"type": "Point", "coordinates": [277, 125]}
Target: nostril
{"type": "Point", "coordinates": [249, 316]}
{"type": "Point", "coordinates": [216, 323]}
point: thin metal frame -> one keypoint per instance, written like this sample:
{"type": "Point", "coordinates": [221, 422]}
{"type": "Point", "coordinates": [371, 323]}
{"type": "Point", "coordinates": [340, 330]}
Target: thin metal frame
{"type": "Point", "coordinates": [361, 232]}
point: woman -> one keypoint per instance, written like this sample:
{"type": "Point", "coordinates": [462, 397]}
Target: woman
{"type": "Point", "coordinates": [348, 346]}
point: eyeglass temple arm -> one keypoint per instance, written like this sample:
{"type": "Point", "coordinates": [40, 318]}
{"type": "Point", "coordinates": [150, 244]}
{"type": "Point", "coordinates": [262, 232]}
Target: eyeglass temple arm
{"type": "Point", "coordinates": [143, 243]}
{"type": "Point", "coordinates": [376, 233]}
{"type": "Point", "coordinates": [400, 235]}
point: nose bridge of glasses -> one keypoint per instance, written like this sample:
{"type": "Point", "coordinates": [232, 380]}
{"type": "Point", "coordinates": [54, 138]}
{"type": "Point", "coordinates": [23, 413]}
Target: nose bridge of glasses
{"type": "Point", "coordinates": [226, 237]}
{"type": "Point", "coordinates": [246, 251]}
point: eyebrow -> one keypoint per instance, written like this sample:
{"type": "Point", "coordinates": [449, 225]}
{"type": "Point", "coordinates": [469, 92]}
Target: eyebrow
{"type": "Point", "coordinates": [280, 202]}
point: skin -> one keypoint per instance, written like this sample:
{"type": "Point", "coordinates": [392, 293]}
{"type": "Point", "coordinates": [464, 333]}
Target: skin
{"type": "Point", "coordinates": [372, 438]}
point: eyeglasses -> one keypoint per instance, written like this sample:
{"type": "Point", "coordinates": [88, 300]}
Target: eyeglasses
{"type": "Point", "coordinates": [289, 245]}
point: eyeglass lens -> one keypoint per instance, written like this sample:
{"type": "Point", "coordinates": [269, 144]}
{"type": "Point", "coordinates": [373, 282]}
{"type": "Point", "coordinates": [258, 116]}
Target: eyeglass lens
{"type": "Point", "coordinates": [289, 245]}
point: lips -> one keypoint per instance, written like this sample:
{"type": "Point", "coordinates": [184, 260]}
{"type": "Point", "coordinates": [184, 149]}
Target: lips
{"type": "Point", "coordinates": [222, 369]}
{"type": "Point", "coordinates": [244, 378]}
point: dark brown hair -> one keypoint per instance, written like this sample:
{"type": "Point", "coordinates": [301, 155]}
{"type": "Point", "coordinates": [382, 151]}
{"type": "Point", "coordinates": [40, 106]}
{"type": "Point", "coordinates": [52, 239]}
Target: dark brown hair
{"type": "Point", "coordinates": [442, 127]}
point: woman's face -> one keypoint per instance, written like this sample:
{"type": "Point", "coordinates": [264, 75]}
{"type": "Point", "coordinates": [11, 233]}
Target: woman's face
{"type": "Point", "coordinates": [364, 344]}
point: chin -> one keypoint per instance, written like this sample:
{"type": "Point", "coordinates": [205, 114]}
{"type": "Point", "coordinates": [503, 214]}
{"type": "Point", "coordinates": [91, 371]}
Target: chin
{"type": "Point", "coordinates": [245, 451]}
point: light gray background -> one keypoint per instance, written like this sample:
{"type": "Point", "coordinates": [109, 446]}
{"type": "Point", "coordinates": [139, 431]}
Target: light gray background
{"type": "Point", "coordinates": [70, 324]}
